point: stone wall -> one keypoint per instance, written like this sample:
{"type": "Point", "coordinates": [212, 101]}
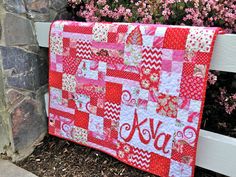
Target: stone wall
{"type": "Point", "coordinates": [23, 74]}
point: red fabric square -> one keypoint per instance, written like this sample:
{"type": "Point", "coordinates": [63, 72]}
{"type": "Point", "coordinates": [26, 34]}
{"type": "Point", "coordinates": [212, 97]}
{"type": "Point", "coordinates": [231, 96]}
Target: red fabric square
{"type": "Point", "coordinates": [51, 130]}
{"type": "Point", "coordinates": [167, 105]}
{"type": "Point", "coordinates": [85, 29]}
{"type": "Point", "coordinates": [72, 104]}
{"type": "Point", "coordinates": [112, 37]}
{"type": "Point", "coordinates": [175, 38]}
{"type": "Point", "coordinates": [191, 87]}
{"type": "Point", "coordinates": [188, 69]}
{"type": "Point", "coordinates": [183, 152]}
{"type": "Point", "coordinates": [113, 92]}
{"type": "Point", "coordinates": [78, 29]}
{"type": "Point", "coordinates": [65, 94]}
{"type": "Point", "coordinates": [81, 119]}
{"type": "Point", "coordinates": [70, 28]}
{"type": "Point", "coordinates": [66, 43]}
{"type": "Point", "coordinates": [55, 79]}
{"type": "Point", "coordinates": [159, 165]}
{"type": "Point", "coordinates": [122, 29]}
{"type": "Point", "coordinates": [70, 65]}
{"type": "Point", "coordinates": [57, 124]}
{"type": "Point", "coordinates": [73, 52]}
{"type": "Point", "coordinates": [93, 101]}
{"type": "Point", "coordinates": [100, 112]}
{"type": "Point", "coordinates": [202, 58]}
{"type": "Point", "coordinates": [109, 126]}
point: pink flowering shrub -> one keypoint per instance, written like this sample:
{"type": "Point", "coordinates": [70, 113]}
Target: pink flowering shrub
{"type": "Point", "coordinates": [220, 105]}
{"type": "Point", "coordinates": [177, 12]}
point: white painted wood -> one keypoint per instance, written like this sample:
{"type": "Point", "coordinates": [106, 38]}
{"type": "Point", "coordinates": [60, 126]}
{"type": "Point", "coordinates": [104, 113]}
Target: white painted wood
{"type": "Point", "coordinates": [42, 33]}
{"type": "Point", "coordinates": [46, 100]}
{"type": "Point", "coordinates": [215, 152]}
{"type": "Point", "coordinates": [224, 56]}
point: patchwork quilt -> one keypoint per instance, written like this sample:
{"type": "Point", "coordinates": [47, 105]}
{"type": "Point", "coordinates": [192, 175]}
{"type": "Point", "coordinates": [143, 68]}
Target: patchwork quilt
{"type": "Point", "coordinates": [133, 91]}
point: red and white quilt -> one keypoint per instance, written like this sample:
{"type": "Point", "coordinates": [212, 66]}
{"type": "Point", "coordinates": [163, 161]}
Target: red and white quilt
{"type": "Point", "coordinates": [134, 91]}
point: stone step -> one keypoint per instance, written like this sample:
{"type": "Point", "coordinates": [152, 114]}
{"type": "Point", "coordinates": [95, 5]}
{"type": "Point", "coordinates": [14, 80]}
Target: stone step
{"type": "Point", "coordinates": [8, 169]}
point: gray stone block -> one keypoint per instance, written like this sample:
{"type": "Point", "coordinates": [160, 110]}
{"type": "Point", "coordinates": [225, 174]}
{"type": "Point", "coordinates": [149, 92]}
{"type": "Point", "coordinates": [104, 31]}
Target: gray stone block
{"type": "Point", "coordinates": [0, 31]}
{"type": "Point", "coordinates": [18, 59]}
{"type": "Point", "coordinates": [8, 169]}
{"type": "Point", "coordinates": [58, 4]}
{"type": "Point", "coordinates": [38, 10]}
{"type": "Point", "coordinates": [4, 135]}
{"type": "Point", "coordinates": [13, 97]}
{"type": "Point", "coordinates": [15, 6]}
{"type": "Point", "coordinates": [18, 30]}
{"type": "Point", "coordinates": [25, 70]}
{"type": "Point", "coordinates": [28, 123]}
{"type": "Point", "coordinates": [41, 6]}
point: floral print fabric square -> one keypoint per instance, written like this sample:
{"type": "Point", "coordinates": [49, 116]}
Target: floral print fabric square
{"type": "Point", "coordinates": [133, 91]}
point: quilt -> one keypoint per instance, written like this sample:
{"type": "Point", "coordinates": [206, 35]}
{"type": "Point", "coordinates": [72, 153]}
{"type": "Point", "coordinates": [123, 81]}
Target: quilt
{"type": "Point", "coordinates": [133, 91]}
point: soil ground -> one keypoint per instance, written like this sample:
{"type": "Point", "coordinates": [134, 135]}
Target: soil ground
{"type": "Point", "coordinates": [56, 157]}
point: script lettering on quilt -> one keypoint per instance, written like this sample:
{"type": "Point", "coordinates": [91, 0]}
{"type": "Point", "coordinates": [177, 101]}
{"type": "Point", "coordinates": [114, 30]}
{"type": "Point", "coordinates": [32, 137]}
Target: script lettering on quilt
{"type": "Point", "coordinates": [146, 135]}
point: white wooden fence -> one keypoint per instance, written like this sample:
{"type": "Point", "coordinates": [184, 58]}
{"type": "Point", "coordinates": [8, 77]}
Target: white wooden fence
{"type": "Point", "coordinates": [215, 152]}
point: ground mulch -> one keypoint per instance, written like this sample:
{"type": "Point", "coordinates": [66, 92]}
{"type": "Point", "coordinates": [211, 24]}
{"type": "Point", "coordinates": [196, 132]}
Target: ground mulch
{"type": "Point", "coordinates": [56, 157]}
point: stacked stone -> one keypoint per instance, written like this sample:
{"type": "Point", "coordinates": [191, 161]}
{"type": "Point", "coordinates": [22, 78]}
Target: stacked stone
{"type": "Point", "coordinates": [23, 74]}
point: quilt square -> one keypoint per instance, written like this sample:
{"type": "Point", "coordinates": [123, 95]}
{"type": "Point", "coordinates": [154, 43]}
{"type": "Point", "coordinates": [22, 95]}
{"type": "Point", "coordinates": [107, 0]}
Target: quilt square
{"type": "Point", "coordinates": [132, 55]}
{"type": "Point", "coordinates": [80, 135]}
{"type": "Point", "coordinates": [83, 49]}
{"type": "Point", "coordinates": [175, 38]}
{"type": "Point", "coordinates": [158, 163]}
{"type": "Point", "coordinates": [191, 87]}
{"type": "Point", "coordinates": [100, 32]}
{"type": "Point", "coordinates": [180, 169]}
{"type": "Point", "coordinates": [167, 105]}
{"type": "Point", "coordinates": [170, 83]}
{"type": "Point", "coordinates": [196, 42]}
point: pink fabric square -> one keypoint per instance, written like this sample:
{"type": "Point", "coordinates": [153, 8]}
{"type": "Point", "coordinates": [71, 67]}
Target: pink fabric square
{"type": "Point", "coordinates": [150, 30]}
{"type": "Point", "coordinates": [158, 42]}
{"type": "Point", "coordinates": [53, 66]}
{"type": "Point", "coordinates": [59, 59]}
{"type": "Point", "coordinates": [177, 67]}
{"type": "Point", "coordinates": [178, 55]}
{"type": "Point", "coordinates": [166, 65]}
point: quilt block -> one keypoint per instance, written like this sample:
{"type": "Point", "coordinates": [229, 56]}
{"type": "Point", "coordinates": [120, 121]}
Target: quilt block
{"type": "Point", "coordinates": [134, 91]}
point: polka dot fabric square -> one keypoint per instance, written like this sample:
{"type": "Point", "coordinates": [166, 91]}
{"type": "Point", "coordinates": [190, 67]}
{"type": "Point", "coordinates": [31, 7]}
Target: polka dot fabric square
{"type": "Point", "coordinates": [191, 87]}
{"type": "Point", "coordinates": [175, 38]}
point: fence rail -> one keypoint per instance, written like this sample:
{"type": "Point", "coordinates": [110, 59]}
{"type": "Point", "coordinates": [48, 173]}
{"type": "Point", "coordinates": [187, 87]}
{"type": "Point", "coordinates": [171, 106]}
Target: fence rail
{"type": "Point", "coordinates": [215, 152]}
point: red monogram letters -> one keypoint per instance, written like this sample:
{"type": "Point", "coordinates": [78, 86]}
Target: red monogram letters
{"type": "Point", "coordinates": [146, 135]}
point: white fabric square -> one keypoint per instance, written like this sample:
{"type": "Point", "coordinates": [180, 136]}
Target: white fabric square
{"type": "Point", "coordinates": [167, 54]}
{"type": "Point", "coordinates": [102, 66]}
{"type": "Point", "coordinates": [133, 55]}
{"type": "Point", "coordinates": [100, 32]}
{"type": "Point", "coordinates": [148, 40]}
{"type": "Point", "coordinates": [68, 82]}
{"type": "Point", "coordinates": [160, 31]}
{"type": "Point", "coordinates": [196, 42]}
{"type": "Point", "coordinates": [170, 83]}
{"type": "Point", "coordinates": [178, 169]}
{"type": "Point", "coordinates": [195, 105]}
{"type": "Point", "coordinates": [96, 125]}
